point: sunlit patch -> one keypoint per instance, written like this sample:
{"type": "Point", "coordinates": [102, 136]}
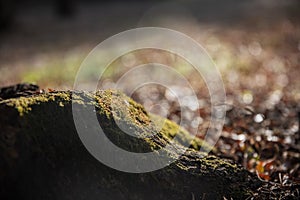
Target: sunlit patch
{"type": "Point", "coordinates": [294, 129]}
{"type": "Point", "coordinates": [239, 137]}
{"type": "Point", "coordinates": [247, 97]}
{"type": "Point", "coordinates": [260, 80]}
{"type": "Point", "coordinates": [288, 140]}
{"type": "Point", "coordinates": [258, 118]}
{"type": "Point", "coordinates": [258, 138]}
{"type": "Point", "coordinates": [170, 95]}
{"type": "Point", "coordinates": [276, 65]}
{"type": "Point", "coordinates": [213, 44]}
{"type": "Point", "coordinates": [196, 122]}
{"type": "Point", "coordinates": [128, 60]}
{"type": "Point", "coordinates": [254, 48]}
{"type": "Point", "coordinates": [274, 98]}
{"type": "Point", "coordinates": [189, 102]}
{"type": "Point", "coordinates": [233, 76]}
{"type": "Point", "coordinates": [243, 51]}
{"type": "Point", "coordinates": [108, 84]}
{"type": "Point", "coordinates": [158, 109]}
{"type": "Point", "coordinates": [282, 80]}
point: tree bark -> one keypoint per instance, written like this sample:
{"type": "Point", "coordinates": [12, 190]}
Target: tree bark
{"type": "Point", "coordinates": [42, 157]}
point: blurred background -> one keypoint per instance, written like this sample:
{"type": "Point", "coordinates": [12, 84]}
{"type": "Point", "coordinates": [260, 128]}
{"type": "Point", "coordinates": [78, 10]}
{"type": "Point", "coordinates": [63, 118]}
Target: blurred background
{"type": "Point", "coordinates": [45, 41]}
{"type": "Point", "coordinates": [254, 43]}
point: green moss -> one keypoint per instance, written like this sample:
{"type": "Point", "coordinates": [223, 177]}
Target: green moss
{"type": "Point", "coordinates": [123, 110]}
{"type": "Point", "coordinates": [114, 105]}
{"type": "Point", "coordinates": [24, 104]}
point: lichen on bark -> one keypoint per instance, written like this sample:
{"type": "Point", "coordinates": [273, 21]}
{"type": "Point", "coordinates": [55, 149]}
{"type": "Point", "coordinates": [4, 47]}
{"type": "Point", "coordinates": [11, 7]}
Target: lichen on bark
{"type": "Point", "coordinates": [43, 158]}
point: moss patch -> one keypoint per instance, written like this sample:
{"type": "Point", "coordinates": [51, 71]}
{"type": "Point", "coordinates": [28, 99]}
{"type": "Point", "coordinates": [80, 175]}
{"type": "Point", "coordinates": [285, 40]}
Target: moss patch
{"type": "Point", "coordinates": [113, 105]}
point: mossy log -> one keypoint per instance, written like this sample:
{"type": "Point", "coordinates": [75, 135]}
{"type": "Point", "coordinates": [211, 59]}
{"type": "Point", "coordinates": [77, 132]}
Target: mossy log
{"type": "Point", "coordinates": [42, 157]}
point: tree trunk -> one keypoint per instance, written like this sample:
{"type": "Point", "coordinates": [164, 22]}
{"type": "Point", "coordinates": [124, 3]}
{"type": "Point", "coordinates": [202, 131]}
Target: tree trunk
{"type": "Point", "coordinates": [42, 156]}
